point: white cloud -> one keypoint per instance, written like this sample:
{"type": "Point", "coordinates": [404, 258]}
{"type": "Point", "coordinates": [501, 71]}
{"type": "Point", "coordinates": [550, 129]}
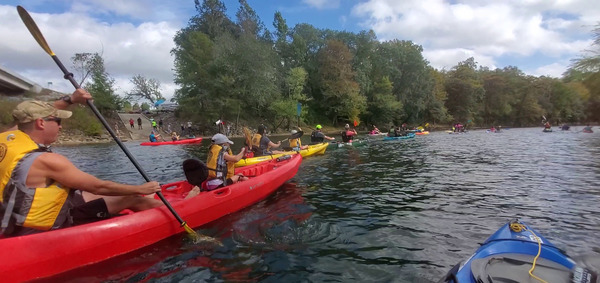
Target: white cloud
{"type": "Point", "coordinates": [553, 70]}
{"type": "Point", "coordinates": [127, 49]}
{"type": "Point", "coordinates": [495, 33]}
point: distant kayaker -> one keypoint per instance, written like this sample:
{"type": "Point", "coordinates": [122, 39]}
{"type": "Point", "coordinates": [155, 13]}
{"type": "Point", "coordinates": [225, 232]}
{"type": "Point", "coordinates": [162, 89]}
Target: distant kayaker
{"type": "Point", "coordinates": [588, 129]}
{"type": "Point", "coordinates": [295, 142]}
{"type": "Point", "coordinates": [29, 168]}
{"type": "Point", "coordinates": [375, 131]}
{"type": "Point", "coordinates": [154, 136]}
{"type": "Point", "coordinates": [221, 163]}
{"type": "Point", "coordinates": [174, 136]}
{"type": "Point", "coordinates": [348, 134]}
{"type": "Point", "coordinates": [318, 137]}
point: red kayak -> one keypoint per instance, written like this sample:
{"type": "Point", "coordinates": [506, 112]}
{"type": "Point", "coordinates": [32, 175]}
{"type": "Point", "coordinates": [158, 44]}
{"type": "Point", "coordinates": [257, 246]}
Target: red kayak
{"type": "Point", "coordinates": [185, 141]}
{"type": "Point", "coordinates": [45, 254]}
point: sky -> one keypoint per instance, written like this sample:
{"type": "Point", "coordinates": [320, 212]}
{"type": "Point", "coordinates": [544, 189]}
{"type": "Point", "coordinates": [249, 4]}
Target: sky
{"type": "Point", "coordinates": [540, 37]}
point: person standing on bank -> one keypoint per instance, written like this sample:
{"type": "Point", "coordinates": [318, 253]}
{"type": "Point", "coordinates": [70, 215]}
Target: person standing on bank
{"type": "Point", "coordinates": [139, 120]}
{"type": "Point", "coordinates": [64, 195]}
{"type": "Point", "coordinates": [131, 123]}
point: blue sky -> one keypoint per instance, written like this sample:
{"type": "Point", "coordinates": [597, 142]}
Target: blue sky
{"type": "Point", "coordinates": [540, 37]}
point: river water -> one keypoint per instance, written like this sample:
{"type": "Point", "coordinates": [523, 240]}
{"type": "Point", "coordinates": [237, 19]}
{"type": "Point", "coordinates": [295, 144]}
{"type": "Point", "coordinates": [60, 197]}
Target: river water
{"type": "Point", "coordinates": [398, 211]}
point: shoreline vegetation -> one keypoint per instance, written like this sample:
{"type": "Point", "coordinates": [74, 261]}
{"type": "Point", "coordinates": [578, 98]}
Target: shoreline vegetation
{"type": "Point", "coordinates": [68, 138]}
{"type": "Point", "coordinates": [84, 128]}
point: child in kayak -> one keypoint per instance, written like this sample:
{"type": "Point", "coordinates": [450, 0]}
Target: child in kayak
{"type": "Point", "coordinates": [295, 142]}
{"type": "Point", "coordinates": [220, 163]}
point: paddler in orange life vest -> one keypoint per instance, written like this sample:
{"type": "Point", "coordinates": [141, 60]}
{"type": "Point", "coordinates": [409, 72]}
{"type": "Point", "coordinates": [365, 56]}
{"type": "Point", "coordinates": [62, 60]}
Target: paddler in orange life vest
{"type": "Point", "coordinates": [348, 134]}
{"type": "Point", "coordinates": [37, 187]}
{"type": "Point", "coordinates": [295, 142]}
{"type": "Point", "coordinates": [221, 163]}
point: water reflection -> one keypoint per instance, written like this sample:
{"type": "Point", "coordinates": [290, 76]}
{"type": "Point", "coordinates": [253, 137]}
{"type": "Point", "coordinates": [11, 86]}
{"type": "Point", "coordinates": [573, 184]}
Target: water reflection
{"type": "Point", "coordinates": [399, 211]}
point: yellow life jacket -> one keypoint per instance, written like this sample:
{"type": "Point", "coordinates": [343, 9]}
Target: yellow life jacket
{"type": "Point", "coordinates": [256, 140]}
{"type": "Point", "coordinates": [218, 167]}
{"type": "Point", "coordinates": [42, 208]}
{"type": "Point", "coordinates": [295, 143]}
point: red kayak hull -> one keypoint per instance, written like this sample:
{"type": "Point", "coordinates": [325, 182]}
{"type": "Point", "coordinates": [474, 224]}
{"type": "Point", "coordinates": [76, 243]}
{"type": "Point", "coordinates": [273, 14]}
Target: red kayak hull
{"type": "Point", "coordinates": [46, 254]}
{"type": "Point", "coordinates": [185, 141]}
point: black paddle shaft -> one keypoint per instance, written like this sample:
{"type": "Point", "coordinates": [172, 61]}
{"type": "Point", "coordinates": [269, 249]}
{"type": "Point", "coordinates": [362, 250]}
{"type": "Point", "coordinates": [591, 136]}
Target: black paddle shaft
{"type": "Point", "coordinates": [69, 76]}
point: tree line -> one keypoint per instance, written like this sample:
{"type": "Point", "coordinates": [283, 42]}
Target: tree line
{"type": "Point", "coordinates": [239, 70]}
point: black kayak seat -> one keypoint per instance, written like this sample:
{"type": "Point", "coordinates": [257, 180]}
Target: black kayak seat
{"type": "Point", "coordinates": [195, 171]}
{"type": "Point", "coordinates": [514, 267]}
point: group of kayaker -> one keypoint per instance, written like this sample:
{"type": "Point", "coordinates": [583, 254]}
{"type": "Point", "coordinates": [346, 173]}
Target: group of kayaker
{"type": "Point", "coordinates": [155, 136]}
{"type": "Point", "coordinates": [495, 129]}
{"type": "Point", "coordinates": [398, 131]}
{"type": "Point", "coordinates": [42, 190]}
{"type": "Point", "coordinates": [459, 128]}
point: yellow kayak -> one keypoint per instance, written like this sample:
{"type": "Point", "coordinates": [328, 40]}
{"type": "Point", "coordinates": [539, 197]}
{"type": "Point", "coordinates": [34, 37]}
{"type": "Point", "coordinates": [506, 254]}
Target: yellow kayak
{"type": "Point", "coordinates": [311, 150]}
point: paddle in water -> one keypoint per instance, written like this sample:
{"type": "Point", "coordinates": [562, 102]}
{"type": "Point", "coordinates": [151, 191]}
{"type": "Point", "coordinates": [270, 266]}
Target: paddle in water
{"type": "Point", "coordinates": [37, 35]}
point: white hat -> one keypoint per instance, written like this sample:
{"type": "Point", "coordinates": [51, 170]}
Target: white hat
{"type": "Point", "coordinates": [293, 132]}
{"type": "Point", "coordinates": [220, 138]}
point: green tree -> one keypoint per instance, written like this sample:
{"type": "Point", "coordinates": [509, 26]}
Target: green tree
{"type": "Point", "coordinates": [382, 106]}
{"type": "Point", "coordinates": [587, 67]}
{"type": "Point", "coordinates": [281, 38]}
{"type": "Point", "coordinates": [249, 22]}
{"type": "Point", "coordinates": [212, 19]}
{"type": "Point", "coordinates": [246, 70]}
{"type": "Point", "coordinates": [409, 72]}
{"type": "Point", "coordinates": [145, 88]}
{"type": "Point", "coordinates": [341, 93]}
{"type": "Point", "coordinates": [127, 106]}
{"type": "Point", "coordinates": [465, 90]}
{"type": "Point", "coordinates": [435, 103]}
{"type": "Point", "coordinates": [85, 64]}
{"type": "Point", "coordinates": [295, 83]}
{"type": "Point", "coordinates": [285, 108]}
{"type": "Point", "coordinates": [497, 99]}
{"type": "Point", "coordinates": [102, 89]}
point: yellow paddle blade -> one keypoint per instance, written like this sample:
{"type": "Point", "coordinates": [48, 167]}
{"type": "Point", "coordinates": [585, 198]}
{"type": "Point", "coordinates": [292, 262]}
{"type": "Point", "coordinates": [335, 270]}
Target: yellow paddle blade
{"type": "Point", "coordinates": [34, 30]}
{"type": "Point", "coordinates": [248, 136]}
{"type": "Point", "coordinates": [198, 238]}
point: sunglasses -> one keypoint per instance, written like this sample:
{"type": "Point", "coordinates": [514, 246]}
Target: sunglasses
{"type": "Point", "coordinates": [55, 119]}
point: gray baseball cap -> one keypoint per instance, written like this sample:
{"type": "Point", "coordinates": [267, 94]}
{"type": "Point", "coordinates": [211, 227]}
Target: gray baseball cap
{"type": "Point", "coordinates": [220, 139]}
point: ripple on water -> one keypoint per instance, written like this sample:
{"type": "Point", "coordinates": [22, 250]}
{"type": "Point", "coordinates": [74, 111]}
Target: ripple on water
{"type": "Point", "coordinates": [402, 211]}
